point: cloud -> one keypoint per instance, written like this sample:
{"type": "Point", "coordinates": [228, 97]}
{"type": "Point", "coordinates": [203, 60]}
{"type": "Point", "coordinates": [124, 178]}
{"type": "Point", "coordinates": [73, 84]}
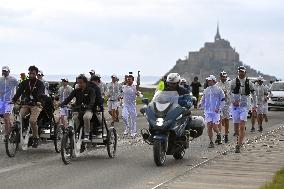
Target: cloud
{"type": "Point", "coordinates": [68, 36]}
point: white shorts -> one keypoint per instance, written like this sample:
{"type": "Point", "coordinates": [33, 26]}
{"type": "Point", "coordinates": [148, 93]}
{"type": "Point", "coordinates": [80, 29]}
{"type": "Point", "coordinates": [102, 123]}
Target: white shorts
{"type": "Point", "coordinates": [265, 108]}
{"type": "Point", "coordinates": [212, 117]}
{"type": "Point", "coordinates": [6, 107]}
{"type": "Point", "coordinates": [63, 111]}
{"type": "Point", "coordinates": [226, 111]}
{"type": "Point", "coordinates": [239, 113]}
{"type": "Point", "coordinates": [112, 105]}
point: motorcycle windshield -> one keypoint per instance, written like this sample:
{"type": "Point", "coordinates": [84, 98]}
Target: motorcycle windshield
{"type": "Point", "coordinates": [165, 101]}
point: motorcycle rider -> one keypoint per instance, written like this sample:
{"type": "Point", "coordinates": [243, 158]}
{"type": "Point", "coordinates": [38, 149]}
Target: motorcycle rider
{"type": "Point", "coordinates": [261, 94]}
{"type": "Point", "coordinates": [85, 99]}
{"type": "Point", "coordinates": [224, 84]}
{"type": "Point", "coordinates": [241, 88]}
{"type": "Point", "coordinates": [31, 91]}
{"type": "Point", "coordinates": [8, 85]}
{"type": "Point", "coordinates": [213, 101]}
{"type": "Point", "coordinates": [173, 80]}
{"type": "Point", "coordinates": [63, 92]}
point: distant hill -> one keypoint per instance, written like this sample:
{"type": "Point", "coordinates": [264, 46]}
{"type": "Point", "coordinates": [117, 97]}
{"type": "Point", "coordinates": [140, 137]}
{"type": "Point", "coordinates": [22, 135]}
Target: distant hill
{"type": "Point", "coordinates": [213, 58]}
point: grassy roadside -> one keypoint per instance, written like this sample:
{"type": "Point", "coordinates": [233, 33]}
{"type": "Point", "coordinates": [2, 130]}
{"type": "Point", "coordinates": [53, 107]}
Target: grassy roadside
{"type": "Point", "coordinates": [146, 94]}
{"type": "Point", "coordinates": [277, 182]}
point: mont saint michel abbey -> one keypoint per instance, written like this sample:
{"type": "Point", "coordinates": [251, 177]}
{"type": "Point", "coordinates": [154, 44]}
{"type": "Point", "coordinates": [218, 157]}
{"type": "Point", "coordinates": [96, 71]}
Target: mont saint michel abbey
{"type": "Point", "coordinates": [213, 58]}
{"type": "Point", "coordinates": [218, 51]}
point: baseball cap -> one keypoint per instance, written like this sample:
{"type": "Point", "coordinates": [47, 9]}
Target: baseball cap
{"type": "Point", "coordinates": [224, 74]}
{"type": "Point", "coordinates": [98, 75]}
{"type": "Point", "coordinates": [64, 79]}
{"type": "Point", "coordinates": [242, 68]}
{"type": "Point", "coordinates": [211, 77]}
{"type": "Point", "coordinates": [113, 76]}
{"type": "Point", "coordinates": [260, 78]}
{"type": "Point", "coordinates": [40, 72]}
{"type": "Point", "coordinates": [92, 71]}
{"type": "Point", "coordinates": [5, 68]}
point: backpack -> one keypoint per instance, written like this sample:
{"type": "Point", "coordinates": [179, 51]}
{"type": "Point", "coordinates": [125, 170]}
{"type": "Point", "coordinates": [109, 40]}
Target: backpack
{"type": "Point", "coordinates": [238, 86]}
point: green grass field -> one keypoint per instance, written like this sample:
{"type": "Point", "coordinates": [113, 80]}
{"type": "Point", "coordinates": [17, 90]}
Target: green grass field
{"type": "Point", "coordinates": [146, 94]}
{"type": "Point", "coordinates": [277, 182]}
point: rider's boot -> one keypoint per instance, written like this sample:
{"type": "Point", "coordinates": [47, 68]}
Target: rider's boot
{"type": "Point", "coordinates": [35, 142]}
{"type": "Point", "coordinates": [86, 138]}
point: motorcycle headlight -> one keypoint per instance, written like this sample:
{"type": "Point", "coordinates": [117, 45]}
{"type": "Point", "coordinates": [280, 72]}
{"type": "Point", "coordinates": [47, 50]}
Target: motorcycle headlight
{"type": "Point", "coordinates": [160, 122]}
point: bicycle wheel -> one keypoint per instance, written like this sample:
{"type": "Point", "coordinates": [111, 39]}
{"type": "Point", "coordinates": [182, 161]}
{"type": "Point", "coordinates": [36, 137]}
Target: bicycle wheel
{"type": "Point", "coordinates": [111, 142]}
{"type": "Point", "coordinates": [58, 134]}
{"type": "Point", "coordinates": [67, 148]}
{"type": "Point", "coordinates": [12, 143]}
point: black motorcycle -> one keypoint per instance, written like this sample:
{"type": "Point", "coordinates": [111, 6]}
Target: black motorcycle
{"type": "Point", "coordinates": [171, 126]}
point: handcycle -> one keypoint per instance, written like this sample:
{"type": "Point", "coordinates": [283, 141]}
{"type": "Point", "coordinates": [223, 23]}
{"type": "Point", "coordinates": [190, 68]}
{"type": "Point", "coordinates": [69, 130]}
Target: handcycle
{"type": "Point", "coordinates": [72, 142]}
{"type": "Point", "coordinates": [19, 137]}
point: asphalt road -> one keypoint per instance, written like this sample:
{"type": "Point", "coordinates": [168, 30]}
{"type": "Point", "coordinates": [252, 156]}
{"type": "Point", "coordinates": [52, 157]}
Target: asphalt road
{"type": "Point", "coordinates": [133, 167]}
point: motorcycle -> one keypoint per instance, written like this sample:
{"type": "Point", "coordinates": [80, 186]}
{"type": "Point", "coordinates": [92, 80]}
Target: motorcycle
{"type": "Point", "coordinates": [171, 126]}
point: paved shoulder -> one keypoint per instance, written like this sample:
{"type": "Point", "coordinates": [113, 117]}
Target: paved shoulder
{"type": "Point", "coordinates": [249, 170]}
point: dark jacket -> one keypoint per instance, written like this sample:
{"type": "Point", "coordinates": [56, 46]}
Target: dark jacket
{"type": "Point", "coordinates": [181, 90]}
{"type": "Point", "coordinates": [31, 91]}
{"type": "Point", "coordinates": [99, 98]}
{"type": "Point", "coordinates": [86, 98]}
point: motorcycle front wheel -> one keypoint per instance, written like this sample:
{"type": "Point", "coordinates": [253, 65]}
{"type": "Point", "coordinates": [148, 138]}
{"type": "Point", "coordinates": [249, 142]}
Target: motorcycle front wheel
{"type": "Point", "coordinates": [159, 149]}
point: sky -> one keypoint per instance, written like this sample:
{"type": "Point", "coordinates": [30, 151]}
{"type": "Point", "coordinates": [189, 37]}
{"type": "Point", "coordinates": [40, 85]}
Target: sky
{"type": "Point", "coordinates": [118, 36]}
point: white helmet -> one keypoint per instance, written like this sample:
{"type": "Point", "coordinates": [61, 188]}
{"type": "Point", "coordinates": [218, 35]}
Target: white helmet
{"type": "Point", "coordinates": [173, 78]}
{"type": "Point", "coordinates": [182, 80]}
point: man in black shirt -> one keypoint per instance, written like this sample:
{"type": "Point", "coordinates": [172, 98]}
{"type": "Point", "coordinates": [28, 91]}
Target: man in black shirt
{"type": "Point", "coordinates": [85, 100]}
{"type": "Point", "coordinates": [31, 91]}
{"type": "Point", "coordinates": [195, 85]}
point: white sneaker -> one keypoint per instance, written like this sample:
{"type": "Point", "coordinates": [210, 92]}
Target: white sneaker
{"type": "Point", "coordinates": [86, 138]}
{"type": "Point", "coordinates": [125, 133]}
{"type": "Point", "coordinates": [133, 135]}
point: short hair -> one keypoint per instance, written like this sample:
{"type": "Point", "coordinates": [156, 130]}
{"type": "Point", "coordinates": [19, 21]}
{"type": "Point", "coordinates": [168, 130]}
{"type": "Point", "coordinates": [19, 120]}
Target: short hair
{"type": "Point", "coordinates": [33, 68]}
{"type": "Point", "coordinates": [195, 78]}
{"type": "Point", "coordinates": [95, 78]}
{"type": "Point", "coordinates": [131, 76]}
{"type": "Point", "coordinates": [83, 77]}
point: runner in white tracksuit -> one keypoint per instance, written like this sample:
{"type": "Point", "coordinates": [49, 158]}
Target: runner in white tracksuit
{"type": "Point", "coordinates": [113, 93]}
{"type": "Point", "coordinates": [261, 94]}
{"type": "Point", "coordinates": [225, 85]}
{"type": "Point", "coordinates": [241, 88]}
{"type": "Point", "coordinates": [129, 114]}
{"type": "Point", "coordinates": [8, 86]}
{"type": "Point", "coordinates": [213, 101]}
